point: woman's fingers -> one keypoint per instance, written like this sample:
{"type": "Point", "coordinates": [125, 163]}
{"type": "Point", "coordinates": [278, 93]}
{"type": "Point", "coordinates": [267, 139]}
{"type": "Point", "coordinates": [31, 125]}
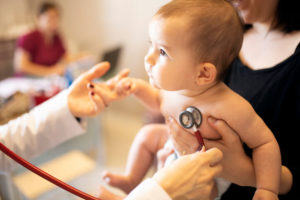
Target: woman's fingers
{"type": "Point", "coordinates": [97, 71]}
{"type": "Point", "coordinates": [222, 128]}
{"type": "Point", "coordinates": [228, 135]}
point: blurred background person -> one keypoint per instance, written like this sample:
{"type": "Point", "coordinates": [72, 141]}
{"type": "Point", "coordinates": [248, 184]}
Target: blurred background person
{"type": "Point", "coordinates": [42, 51]}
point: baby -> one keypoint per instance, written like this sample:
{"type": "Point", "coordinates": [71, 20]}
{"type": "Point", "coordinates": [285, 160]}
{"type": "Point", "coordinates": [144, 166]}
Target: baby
{"type": "Point", "coordinates": [193, 43]}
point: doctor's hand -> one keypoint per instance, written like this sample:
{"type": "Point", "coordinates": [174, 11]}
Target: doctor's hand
{"type": "Point", "coordinates": [191, 176]}
{"type": "Point", "coordinates": [184, 142]}
{"type": "Point", "coordinates": [81, 101]}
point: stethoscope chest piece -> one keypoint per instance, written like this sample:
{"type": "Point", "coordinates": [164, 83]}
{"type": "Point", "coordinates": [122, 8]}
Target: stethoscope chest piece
{"type": "Point", "coordinates": [190, 117]}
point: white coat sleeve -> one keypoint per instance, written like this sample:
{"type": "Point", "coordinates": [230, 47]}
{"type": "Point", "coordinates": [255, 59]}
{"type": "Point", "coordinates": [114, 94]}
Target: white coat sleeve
{"type": "Point", "coordinates": [44, 127]}
{"type": "Point", "coordinates": [148, 190]}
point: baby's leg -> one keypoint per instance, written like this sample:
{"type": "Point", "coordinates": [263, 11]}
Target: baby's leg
{"type": "Point", "coordinates": [147, 142]}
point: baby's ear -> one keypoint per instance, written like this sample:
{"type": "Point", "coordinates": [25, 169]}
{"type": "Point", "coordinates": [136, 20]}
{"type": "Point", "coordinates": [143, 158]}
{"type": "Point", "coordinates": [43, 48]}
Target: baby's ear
{"type": "Point", "coordinates": [206, 73]}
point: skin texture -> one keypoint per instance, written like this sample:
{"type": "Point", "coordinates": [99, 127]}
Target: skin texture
{"type": "Point", "coordinates": [83, 102]}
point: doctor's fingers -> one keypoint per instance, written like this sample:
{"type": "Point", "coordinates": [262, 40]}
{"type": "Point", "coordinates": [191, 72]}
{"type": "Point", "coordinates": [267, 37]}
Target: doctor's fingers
{"type": "Point", "coordinates": [97, 71]}
{"type": "Point", "coordinates": [111, 83]}
{"type": "Point", "coordinates": [99, 104]}
{"type": "Point", "coordinates": [201, 191]}
{"type": "Point", "coordinates": [211, 156]}
{"type": "Point", "coordinates": [184, 142]}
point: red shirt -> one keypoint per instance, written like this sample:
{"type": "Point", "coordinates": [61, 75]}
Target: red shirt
{"type": "Point", "coordinates": [40, 52]}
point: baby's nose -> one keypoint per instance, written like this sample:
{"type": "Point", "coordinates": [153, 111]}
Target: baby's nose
{"type": "Point", "coordinates": [149, 60]}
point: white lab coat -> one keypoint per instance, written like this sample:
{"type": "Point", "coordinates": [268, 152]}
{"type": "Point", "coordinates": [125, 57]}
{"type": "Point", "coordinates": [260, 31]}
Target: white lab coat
{"type": "Point", "coordinates": [48, 125]}
{"type": "Point", "coordinates": [44, 127]}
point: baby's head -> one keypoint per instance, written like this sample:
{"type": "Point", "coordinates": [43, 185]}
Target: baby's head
{"type": "Point", "coordinates": [192, 42]}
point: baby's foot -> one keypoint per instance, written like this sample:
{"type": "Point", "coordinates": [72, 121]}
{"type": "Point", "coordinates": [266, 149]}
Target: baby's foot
{"type": "Point", "coordinates": [120, 181]}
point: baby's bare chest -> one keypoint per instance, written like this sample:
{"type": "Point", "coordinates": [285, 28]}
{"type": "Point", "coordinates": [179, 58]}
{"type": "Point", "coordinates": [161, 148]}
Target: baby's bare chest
{"type": "Point", "coordinates": [174, 105]}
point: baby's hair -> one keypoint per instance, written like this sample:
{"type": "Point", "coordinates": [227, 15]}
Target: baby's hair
{"type": "Point", "coordinates": [214, 30]}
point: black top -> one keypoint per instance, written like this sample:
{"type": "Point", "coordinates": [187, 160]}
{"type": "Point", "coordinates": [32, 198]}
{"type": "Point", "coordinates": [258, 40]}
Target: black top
{"type": "Point", "coordinates": [274, 93]}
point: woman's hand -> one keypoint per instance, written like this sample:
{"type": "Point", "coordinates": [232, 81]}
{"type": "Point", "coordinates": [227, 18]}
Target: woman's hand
{"type": "Point", "coordinates": [237, 166]}
{"type": "Point", "coordinates": [191, 175]}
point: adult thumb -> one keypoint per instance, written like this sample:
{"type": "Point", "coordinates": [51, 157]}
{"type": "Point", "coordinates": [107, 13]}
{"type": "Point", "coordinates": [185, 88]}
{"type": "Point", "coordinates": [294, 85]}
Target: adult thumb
{"type": "Point", "coordinates": [97, 71]}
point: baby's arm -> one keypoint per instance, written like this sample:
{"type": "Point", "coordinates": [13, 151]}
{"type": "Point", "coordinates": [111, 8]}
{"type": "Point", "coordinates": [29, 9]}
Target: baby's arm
{"type": "Point", "coordinates": [121, 86]}
{"type": "Point", "coordinates": [149, 95]}
{"type": "Point", "coordinates": [266, 154]}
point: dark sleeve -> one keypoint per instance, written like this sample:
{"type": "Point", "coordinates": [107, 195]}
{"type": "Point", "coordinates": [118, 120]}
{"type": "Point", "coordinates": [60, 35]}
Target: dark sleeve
{"type": "Point", "coordinates": [292, 159]}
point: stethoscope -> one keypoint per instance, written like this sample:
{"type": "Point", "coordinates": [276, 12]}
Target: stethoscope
{"type": "Point", "coordinates": [192, 118]}
{"type": "Point", "coordinates": [45, 175]}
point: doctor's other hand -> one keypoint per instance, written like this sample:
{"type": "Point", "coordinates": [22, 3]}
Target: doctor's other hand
{"type": "Point", "coordinates": [191, 176]}
{"type": "Point", "coordinates": [81, 101]}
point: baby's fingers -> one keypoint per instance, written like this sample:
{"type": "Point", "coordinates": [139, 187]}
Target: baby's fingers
{"type": "Point", "coordinates": [125, 87]}
{"type": "Point", "coordinates": [104, 93]}
{"type": "Point", "coordinates": [111, 83]}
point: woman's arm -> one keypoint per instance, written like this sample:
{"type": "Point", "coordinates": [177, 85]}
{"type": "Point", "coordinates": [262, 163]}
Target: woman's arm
{"type": "Point", "coordinates": [244, 174]}
{"type": "Point", "coordinates": [23, 64]}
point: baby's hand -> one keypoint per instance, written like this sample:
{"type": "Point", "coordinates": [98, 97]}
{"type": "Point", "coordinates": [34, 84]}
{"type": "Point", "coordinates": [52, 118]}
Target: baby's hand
{"type": "Point", "coordinates": [262, 194]}
{"type": "Point", "coordinates": [105, 92]}
{"type": "Point", "coordinates": [126, 87]}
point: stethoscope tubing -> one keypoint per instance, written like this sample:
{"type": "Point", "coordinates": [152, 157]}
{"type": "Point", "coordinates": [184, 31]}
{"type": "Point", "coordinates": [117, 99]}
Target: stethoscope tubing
{"type": "Point", "coordinates": [45, 175]}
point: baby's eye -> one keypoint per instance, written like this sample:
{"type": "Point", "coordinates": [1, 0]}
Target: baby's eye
{"type": "Point", "coordinates": [162, 52]}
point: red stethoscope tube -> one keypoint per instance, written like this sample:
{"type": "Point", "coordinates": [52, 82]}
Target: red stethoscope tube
{"type": "Point", "coordinates": [45, 175]}
{"type": "Point", "coordinates": [200, 139]}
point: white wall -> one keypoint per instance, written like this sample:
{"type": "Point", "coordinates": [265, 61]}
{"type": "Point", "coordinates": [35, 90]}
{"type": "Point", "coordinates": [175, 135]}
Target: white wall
{"type": "Point", "coordinates": [14, 15]}
{"type": "Point", "coordinates": [97, 25]}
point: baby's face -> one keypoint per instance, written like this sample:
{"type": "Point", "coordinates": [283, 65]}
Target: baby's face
{"type": "Point", "coordinates": [170, 62]}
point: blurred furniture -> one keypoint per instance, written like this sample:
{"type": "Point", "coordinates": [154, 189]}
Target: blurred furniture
{"type": "Point", "coordinates": [7, 48]}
